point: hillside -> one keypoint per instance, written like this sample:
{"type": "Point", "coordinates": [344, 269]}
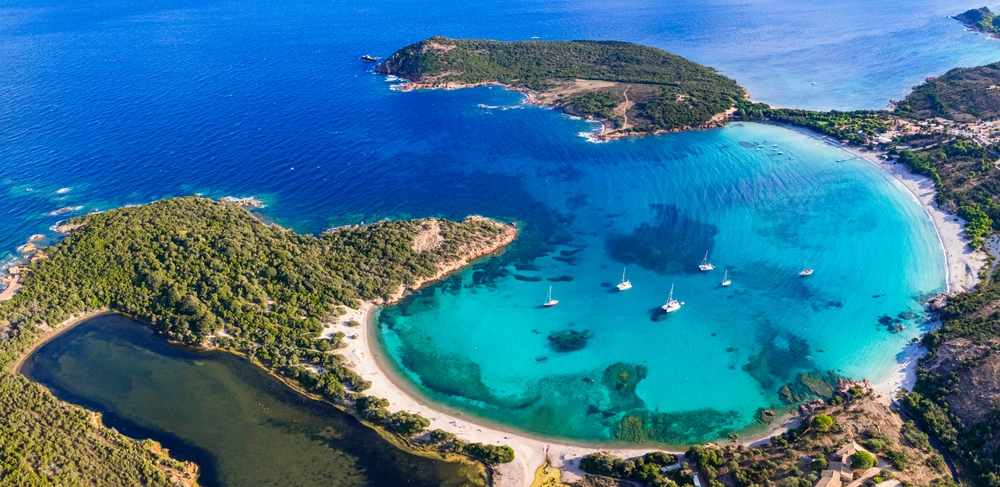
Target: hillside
{"type": "Point", "coordinates": [943, 130]}
{"type": "Point", "coordinates": [854, 419]}
{"type": "Point", "coordinates": [980, 20]}
{"type": "Point", "coordinates": [637, 88]}
{"type": "Point", "coordinates": [962, 95]}
{"type": "Point", "coordinates": [203, 272]}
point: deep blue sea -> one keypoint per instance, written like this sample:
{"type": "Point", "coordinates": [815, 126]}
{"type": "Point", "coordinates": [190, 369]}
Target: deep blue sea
{"type": "Point", "coordinates": [104, 104]}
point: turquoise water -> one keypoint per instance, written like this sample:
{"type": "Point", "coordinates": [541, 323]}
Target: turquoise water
{"type": "Point", "coordinates": [654, 205]}
{"type": "Point", "coordinates": [128, 102]}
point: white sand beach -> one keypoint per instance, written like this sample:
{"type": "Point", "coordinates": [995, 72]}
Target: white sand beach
{"type": "Point", "coordinates": [962, 264]}
{"type": "Point", "coordinates": [529, 453]}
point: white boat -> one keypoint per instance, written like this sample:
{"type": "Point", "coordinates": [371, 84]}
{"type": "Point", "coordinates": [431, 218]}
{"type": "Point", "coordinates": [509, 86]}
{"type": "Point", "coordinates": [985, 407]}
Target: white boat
{"type": "Point", "coordinates": [705, 264]}
{"type": "Point", "coordinates": [672, 304]}
{"type": "Point", "coordinates": [725, 279]}
{"type": "Point", "coordinates": [624, 285]}
{"type": "Point", "coordinates": [549, 302]}
{"type": "Point", "coordinates": [806, 271]}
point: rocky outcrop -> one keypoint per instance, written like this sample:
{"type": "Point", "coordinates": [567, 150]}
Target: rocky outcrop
{"type": "Point", "coordinates": [972, 16]}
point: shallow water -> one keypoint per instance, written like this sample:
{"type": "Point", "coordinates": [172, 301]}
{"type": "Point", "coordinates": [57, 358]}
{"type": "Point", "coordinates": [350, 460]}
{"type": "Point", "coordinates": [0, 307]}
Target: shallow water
{"type": "Point", "coordinates": [241, 425]}
{"type": "Point", "coordinates": [482, 342]}
{"type": "Point", "coordinates": [127, 102]}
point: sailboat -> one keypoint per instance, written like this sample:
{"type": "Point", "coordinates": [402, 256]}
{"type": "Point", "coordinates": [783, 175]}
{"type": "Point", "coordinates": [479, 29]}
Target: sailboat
{"type": "Point", "coordinates": [672, 304]}
{"type": "Point", "coordinates": [549, 302]}
{"type": "Point", "coordinates": [806, 271]}
{"type": "Point", "coordinates": [725, 279]}
{"type": "Point", "coordinates": [624, 285]}
{"type": "Point", "coordinates": [705, 264]}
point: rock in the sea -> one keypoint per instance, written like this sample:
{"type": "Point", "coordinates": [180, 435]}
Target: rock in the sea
{"type": "Point", "coordinates": [568, 340]}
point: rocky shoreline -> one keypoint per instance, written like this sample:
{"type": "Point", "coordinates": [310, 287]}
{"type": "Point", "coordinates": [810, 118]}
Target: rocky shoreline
{"type": "Point", "coordinates": [608, 131]}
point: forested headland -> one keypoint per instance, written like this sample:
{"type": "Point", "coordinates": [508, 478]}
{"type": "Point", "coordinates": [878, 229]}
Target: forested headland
{"type": "Point", "coordinates": [594, 78]}
{"type": "Point", "coordinates": [208, 273]}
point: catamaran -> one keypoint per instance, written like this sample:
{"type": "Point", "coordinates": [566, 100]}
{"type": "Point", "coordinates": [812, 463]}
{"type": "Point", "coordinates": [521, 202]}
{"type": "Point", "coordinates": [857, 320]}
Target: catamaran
{"type": "Point", "coordinates": [725, 279]}
{"type": "Point", "coordinates": [806, 271]}
{"type": "Point", "coordinates": [624, 285]}
{"type": "Point", "coordinates": [549, 302]}
{"type": "Point", "coordinates": [672, 304]}
{"type": "Point", "coordinates": [705, 264]}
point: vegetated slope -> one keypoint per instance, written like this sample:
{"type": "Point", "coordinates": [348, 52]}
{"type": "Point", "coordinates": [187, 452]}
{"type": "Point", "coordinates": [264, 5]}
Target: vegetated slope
{"type": "Point", "coordinates": [193, 267]}
{"type": "Point", "coordinates": [666, 91]}
{"type": "Point", "coordinates": [799, 457]}
{"type": "Point", "coordinates": [45, 442]}
{"type": "Point", "coordinates": [962, 94]}
{"type": "Point", "coordinates": [966, 176]}
{"type": "Point", "coordinates": [957, 395]}
{"type": "Point", "coordinates": [980, 20]}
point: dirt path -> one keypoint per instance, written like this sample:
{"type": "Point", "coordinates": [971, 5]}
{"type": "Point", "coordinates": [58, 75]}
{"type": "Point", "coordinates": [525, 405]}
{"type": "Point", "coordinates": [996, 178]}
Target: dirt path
{"type": "Point", "coordinates": [625, 108]}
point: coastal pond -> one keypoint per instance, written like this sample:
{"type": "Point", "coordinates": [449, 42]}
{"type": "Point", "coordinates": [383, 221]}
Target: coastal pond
{"type": "Point", "coordinates": [241, 425]}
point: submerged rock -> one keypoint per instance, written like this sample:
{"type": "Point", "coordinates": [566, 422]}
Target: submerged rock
{"type": "Point", "coordinates": [624, 377]}
{"type": "Point", "coordinates": [673, 243]}
{"type": "Point", "coordinates": [520, 277]}
{"type": "Point", "coordinates": [569, 340]}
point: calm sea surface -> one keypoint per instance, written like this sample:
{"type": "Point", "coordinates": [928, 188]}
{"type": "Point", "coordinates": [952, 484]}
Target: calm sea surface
{"type": "Point", "coordinates": [107, 104]}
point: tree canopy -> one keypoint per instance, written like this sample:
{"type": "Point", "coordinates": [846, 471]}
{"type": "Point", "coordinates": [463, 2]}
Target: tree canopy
{"type": "Point", "coordinates": [201, 271]}
{"type": "Point", "coordinates": [668, 91]}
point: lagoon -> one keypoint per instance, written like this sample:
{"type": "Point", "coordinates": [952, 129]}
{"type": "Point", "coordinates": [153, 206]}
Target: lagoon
{"type": "Point", "coordinates": [241, 425]}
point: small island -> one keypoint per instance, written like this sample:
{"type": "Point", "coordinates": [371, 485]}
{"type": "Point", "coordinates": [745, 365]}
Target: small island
{"type": "Point", "coordinates": [979, 20]}
{"type": "Point", "coordinates": [632, 89]}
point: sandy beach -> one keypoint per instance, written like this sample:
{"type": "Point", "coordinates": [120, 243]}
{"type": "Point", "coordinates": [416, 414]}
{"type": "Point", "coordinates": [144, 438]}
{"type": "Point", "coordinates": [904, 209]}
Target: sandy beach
{"type": "Point", "coordinates": [529, 453]}
{"type": "Point", "coordinates": [962, 264]}
{"type": "Point", "coordinates": [11, 289]}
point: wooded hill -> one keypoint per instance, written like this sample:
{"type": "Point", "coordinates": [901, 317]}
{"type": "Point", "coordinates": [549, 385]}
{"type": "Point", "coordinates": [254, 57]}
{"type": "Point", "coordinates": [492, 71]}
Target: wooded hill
{"type": "Point", "coordinates": [192, 267]}
{"type": "Point", "coordinates": [962, 94]}
{"type": "Point", "coordinates": [666, 91]}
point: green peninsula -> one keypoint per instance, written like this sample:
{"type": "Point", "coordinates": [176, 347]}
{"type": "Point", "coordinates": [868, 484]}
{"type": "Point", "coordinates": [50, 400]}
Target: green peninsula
{"type": "Point", "coordinates": [632, 88]}
{"type": "Point", "coordinates": [206, 273]}
{"type": "Point", "coordinates": [979, 20]}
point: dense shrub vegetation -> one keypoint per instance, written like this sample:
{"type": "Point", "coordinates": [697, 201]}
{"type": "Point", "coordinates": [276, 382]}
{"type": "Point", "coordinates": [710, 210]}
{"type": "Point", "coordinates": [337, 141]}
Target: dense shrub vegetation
{"type": "Point", "coordinates": [677, 93]}
{"type": "Point", "coordinates": [645, 469]}
{"type": "Point", "coordinates": [198, 271]}
{"type": "Point", "coordinates": [969, 320]}
{"type": "Point", "coordinates": [853, 127]}
{"type": "Point", "coordinates": [45, 442]}
{"type": "Point", "coordinates": [962, 94]}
